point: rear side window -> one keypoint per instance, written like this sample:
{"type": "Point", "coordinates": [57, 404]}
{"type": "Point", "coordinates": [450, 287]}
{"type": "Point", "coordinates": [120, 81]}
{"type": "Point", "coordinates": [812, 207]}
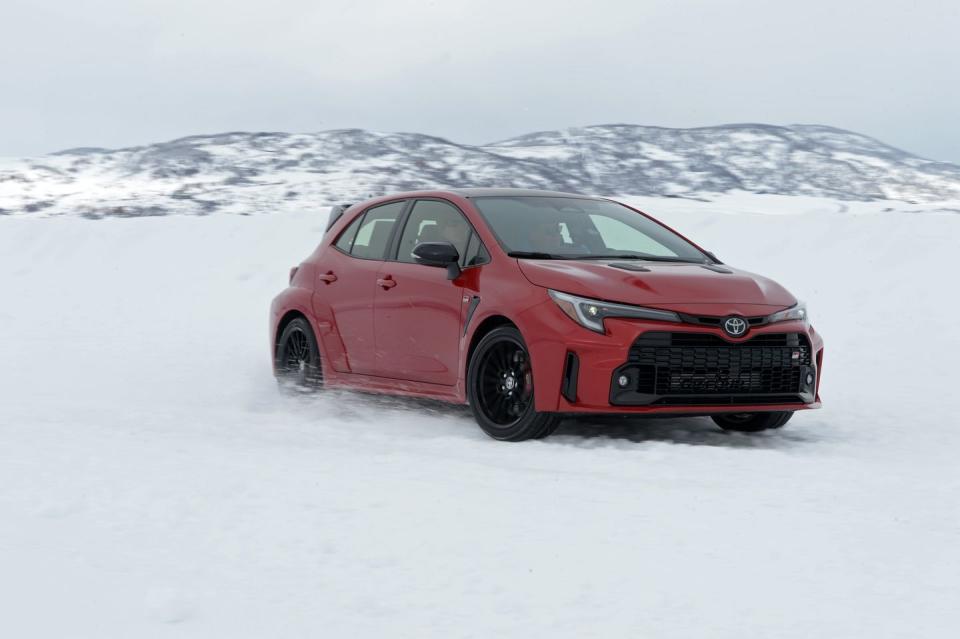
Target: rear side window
{"type": "Point", "coordinates": [345, 243]}
{"type": "Point", "coordinates": [373, 234]}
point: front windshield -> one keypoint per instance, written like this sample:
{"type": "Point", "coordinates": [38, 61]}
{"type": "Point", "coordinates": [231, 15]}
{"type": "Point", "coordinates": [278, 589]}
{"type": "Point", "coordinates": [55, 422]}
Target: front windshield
{"type": "Point", "coordinates": [580, 228]}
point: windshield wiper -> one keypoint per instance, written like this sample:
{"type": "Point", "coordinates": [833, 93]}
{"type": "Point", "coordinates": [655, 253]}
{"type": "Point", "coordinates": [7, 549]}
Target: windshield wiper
{"type": "Point", "coordinates": [537, 255]}
{"type": "Point", "coordinates": [639, 256]}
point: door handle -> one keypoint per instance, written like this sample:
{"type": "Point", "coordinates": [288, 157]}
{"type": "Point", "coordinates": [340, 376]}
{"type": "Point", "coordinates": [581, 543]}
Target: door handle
{"type": "Point", "coordinates": [386, 282]}
{"type": "Point", "coordinates": [328, 277]}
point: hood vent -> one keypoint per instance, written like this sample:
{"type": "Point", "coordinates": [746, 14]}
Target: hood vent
{"type": "Point", "coordinates": [627, 266]}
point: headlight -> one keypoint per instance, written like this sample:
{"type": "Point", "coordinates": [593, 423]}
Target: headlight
{"type": "Point", "coordinates": [591, 313]}
{"type": "Point", "coordinates": [796, 312]}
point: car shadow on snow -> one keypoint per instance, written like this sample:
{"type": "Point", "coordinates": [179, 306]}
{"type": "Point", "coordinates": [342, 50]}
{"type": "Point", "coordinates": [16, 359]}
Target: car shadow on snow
{"type": "Point", "coordinates": [586, 431]}
{"type": "Point", "coordinates": [596, 430]}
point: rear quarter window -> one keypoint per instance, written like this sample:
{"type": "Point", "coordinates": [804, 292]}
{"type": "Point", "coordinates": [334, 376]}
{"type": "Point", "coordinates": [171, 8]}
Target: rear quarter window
{"type": "Point", "coordinates": [375, 230]}
{"type": "Point", "coordinates": [345, 241]}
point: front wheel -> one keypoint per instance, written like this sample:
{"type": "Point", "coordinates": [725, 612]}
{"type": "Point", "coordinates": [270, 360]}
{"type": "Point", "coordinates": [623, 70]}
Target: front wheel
{"type": "Point", "coordinates": [500, 389]}
{"type": "Point", "coordinates": [298, 362]}
{"type": "Point", "coordinates": [752, 422]}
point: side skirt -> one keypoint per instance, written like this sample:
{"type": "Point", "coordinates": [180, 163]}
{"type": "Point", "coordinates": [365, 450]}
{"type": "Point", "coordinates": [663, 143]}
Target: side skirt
{"type": "Point", "coordinates": [391, 386]}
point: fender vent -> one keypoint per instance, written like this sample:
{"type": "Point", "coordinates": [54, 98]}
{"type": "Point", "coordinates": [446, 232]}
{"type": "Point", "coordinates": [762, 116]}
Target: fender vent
{"type": "Point", "coordinates": [571, 373]}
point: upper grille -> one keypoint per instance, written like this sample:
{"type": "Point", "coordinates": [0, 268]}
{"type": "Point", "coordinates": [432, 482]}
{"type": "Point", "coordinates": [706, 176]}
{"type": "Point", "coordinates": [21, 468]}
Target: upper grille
{"type": "Point", "coordinates": [671, 364]}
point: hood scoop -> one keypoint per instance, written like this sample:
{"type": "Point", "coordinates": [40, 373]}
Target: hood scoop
{"type": "Point", "coordinates": [716, 269]}
{"type": "Point", "coordinates": [628, 266]}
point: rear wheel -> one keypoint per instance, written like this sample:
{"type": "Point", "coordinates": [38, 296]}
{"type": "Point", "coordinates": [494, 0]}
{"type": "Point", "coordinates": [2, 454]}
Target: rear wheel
{"type": "Point", "coordinates": [298, 362]}
{"type": "Point", "coordinates": [752, 422]}
{"type": "Point", "coordinates": [500, 389]}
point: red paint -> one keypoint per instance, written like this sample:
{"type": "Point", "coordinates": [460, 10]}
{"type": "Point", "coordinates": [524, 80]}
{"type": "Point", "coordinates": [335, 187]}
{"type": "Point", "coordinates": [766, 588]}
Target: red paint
{"type": "Point", "coordinates": [398, 328]}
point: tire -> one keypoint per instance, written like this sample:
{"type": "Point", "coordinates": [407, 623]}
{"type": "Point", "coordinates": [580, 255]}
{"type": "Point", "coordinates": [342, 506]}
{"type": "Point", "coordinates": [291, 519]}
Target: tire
{"type": "Point", "coordinates": [298, 365]}
{"type": "Point", "coordinates": [500, 389]}
{"type": "Point", "coordinates": [752, 422]}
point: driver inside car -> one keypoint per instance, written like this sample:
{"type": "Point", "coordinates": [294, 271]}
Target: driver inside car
{"type": "Point", "coordinates": [453, 230]}
{"type": "Point", "coordinates": [545, 237]}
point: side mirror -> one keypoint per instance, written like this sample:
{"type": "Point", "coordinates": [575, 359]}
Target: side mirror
{"type": "Point", "coordinates": [443, 254]}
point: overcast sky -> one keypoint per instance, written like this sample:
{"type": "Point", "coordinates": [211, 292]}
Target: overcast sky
{"type": "Point", "coordinates": [125, 72]}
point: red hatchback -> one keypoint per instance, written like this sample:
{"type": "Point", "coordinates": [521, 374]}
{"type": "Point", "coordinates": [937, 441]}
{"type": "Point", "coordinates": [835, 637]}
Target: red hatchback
{"type": "Point", "coordinates": [530, 305]}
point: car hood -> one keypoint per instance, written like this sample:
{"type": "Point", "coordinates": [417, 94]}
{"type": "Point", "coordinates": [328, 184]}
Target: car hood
{"type": "Point", "coordinates": [661, 284]}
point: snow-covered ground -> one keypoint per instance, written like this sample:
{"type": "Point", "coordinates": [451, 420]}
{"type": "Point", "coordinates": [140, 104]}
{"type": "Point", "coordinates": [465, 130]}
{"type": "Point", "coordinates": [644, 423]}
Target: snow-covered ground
{"type": "Point", "coordinates": [154, 483]}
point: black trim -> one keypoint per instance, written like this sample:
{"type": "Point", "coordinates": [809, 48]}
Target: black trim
{"type": "Point", "coordinates": [571, 376]}
{"type": "Point", "coordinates": [692, 369]}
{"type": "Point", "coordinates": [474, 303]}
{"type": "Point", "coordinates": [720, 400]}
{"type": "Point", "coordinates": [717, 322]}
{"type": "Point", "coordinates": [393, 246]}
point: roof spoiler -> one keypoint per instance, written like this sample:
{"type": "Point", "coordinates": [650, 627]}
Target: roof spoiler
{"type": "Point", "coordinates": [336, 212]}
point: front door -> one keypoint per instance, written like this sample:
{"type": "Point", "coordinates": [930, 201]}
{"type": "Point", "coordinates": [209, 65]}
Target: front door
{"type": "Point", "coordinates": [417, 311]}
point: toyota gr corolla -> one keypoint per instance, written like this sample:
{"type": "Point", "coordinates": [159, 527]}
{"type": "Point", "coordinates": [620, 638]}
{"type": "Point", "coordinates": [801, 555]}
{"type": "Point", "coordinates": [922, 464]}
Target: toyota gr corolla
{"type": "Point", "coordinates": [531, 305]}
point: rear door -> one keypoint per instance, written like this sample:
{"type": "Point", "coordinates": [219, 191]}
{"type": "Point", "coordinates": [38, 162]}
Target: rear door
{"type": "Point", "coordinates": [347, 281]}
{"type": "Point", "coordinates": [417, 310]}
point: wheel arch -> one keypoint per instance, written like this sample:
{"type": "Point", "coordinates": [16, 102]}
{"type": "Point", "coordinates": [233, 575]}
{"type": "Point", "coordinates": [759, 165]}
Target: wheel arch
{"type": "Point", "coordinates": [488, 324]}
{"type": "Point", "coordinates": [285, 320]}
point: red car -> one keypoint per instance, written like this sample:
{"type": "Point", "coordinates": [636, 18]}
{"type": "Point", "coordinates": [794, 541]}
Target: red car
{"type": "Point", "coordinates": [531, 305]}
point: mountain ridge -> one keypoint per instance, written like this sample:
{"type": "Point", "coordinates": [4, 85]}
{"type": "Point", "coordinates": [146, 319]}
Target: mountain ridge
{"type": "Point", "coordinates": [252, 172]}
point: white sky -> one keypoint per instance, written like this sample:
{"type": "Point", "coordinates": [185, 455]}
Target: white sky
{"type": "Point", "coordinates": [123, 72]}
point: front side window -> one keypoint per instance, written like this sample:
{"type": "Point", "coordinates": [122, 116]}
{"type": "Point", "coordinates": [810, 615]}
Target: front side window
{"type": "Point", "coordinates": [476, 252]}
{"type": "Point", "coordinates": [580, 228]}
{"type": "Point", "coordinates": [433, 221]}
{"type": "Point", "coordinates": [373, 233]}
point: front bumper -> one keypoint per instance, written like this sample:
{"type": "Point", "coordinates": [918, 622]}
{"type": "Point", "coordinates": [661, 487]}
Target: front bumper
{"type": "Point", "coordinates": [576, 370]}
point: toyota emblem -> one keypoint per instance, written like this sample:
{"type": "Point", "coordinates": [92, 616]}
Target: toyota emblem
{"type": "Point", "coordinates": [735, 326]}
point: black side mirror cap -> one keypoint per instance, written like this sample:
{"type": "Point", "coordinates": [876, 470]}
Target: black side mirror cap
{"type": "Point", "coordinates": [442, 254]}
{"type": "Point", "coordinates": [436, 253]}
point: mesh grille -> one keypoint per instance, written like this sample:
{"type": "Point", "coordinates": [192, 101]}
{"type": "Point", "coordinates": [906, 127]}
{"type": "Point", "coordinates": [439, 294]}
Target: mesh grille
{"type": "Point", "coordinates": [704, 364]}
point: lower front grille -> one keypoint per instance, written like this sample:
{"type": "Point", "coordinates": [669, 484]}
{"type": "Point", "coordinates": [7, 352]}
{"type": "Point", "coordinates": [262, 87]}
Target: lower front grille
{"type": "Point", "coordinates": [703, 368]}
{"type": "Point", "coordinates": [718, 400]}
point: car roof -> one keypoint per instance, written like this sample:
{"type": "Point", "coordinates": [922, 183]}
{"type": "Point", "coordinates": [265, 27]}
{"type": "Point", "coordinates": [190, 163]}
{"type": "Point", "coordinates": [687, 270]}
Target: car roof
{"type": "Point", "coordinates": [498, 192]}
{"type": "Point", "coordinates": [464, 193]}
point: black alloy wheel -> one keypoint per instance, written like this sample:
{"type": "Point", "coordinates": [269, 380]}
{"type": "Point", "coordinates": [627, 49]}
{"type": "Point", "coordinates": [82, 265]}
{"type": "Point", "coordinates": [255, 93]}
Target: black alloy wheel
{"type": "Point", "coordinates": [500, 388]}
{"type": "Point", "coordinates": [298, 362]}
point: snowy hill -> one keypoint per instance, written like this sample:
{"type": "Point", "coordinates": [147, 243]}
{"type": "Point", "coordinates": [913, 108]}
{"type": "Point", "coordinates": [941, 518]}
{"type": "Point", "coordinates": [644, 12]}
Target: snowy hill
{"type": "Point", "coordinates": [269, 172]}
{"type": "Point", "coordinates": [794, 160]}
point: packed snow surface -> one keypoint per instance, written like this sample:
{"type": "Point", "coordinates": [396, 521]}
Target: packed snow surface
{"type": "Point", "coordinates": [154, 483]}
